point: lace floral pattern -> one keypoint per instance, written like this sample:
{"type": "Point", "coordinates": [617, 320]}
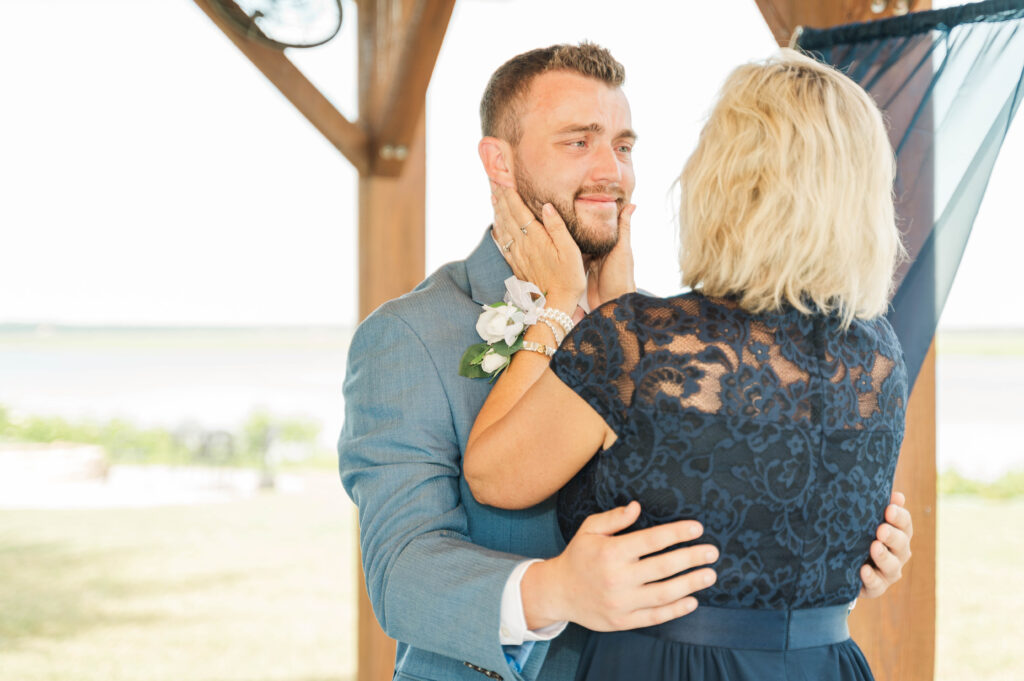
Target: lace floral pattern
{"type": "Point", "coordinates": [778, 431]}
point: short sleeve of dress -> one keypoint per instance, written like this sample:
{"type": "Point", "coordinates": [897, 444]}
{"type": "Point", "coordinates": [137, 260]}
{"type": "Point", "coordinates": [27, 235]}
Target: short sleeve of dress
{"type": "Point", "coordinates": [592, 361]}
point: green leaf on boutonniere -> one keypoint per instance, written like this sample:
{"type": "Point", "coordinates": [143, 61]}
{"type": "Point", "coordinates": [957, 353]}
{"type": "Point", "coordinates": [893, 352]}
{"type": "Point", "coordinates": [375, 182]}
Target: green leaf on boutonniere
{"type": "Point", "coordinates": [479, 356]}
{"type": "Point", "coordinates": [469, 365]}
{"type": "Point", "coordinates": [505, 350]}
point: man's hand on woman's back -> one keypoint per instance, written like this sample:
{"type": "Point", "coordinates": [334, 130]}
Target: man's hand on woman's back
{"type": "Point", "coordinates": [609, 582]}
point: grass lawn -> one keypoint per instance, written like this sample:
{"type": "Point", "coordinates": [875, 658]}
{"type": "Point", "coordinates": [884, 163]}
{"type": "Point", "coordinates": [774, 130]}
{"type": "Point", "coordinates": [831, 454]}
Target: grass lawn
{"type": "Point", "coordinates": [980, 594]}
{"type": "Point", "coordinates": [980, 342]}
{"type": "Point", "coordinates": [260, 589]}
{"type": "Point", "coordinates": [263, 589]}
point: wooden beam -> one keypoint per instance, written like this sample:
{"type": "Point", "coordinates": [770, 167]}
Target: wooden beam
{"type": "Point", "coordinates": [783, 16]}
{"type": "Point", "coordinates": [399, 43]}
{"type": "Point", "coordinates": [350, 139]}
{"type": "Point", "coordinates": [382, 25]}
{"type": "Point", "coordinates": [780, 25]}
{"type": "Point", "coordinates": [407, 91]}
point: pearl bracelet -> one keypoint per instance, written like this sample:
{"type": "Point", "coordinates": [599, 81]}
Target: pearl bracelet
{"type": "Point", "coordinates": [538, 347]}
{"type": "Point", "coordinates": [564, 320]}
{"type": "Point", "coordinates": [555, 331]}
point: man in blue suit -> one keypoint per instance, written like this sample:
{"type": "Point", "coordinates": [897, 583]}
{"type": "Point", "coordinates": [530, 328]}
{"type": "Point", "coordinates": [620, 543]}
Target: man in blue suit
{"type": "Point", "coordinates": [457, 584]}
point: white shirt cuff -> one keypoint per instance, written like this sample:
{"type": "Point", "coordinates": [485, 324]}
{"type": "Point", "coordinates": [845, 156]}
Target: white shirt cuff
{"type": "Point", "coordinates": [513, 630]}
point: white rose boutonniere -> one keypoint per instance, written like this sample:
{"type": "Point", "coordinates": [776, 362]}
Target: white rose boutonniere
{"type": "Point", "coordinates": [492, 361]}
{"type": "Point", "coordinates": [500, 322]}
{"type": "Point", "coordinates": [501, 326]}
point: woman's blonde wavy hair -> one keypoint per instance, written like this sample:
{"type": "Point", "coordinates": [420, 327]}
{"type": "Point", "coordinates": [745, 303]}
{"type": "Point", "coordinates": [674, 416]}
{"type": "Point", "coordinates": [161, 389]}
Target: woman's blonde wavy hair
{"type": "Point", "coordinates": [788, 196]}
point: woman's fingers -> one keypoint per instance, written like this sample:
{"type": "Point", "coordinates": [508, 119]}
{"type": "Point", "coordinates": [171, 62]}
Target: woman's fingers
{"type": "Point", "coordinates": [615, 270]}
{"type": "Point", "coordinates": [555, 228]}
{"type": "Point", "coordinates": [623, 248]}
{"type": "Point", "coordinates": [503, 219]}
{"type": "Point", "coordinates": [626, 224]}
{"type": "Point", "coordinates": [525, 219]}
{"type": "Point", "coordinates": [518, 234]}
{"type": "Point", "coordinates": [506, 233]}
{"type": "Point", "coordinates": [540, 252]}
{"type": "Point", "coordinates": [517, 219]}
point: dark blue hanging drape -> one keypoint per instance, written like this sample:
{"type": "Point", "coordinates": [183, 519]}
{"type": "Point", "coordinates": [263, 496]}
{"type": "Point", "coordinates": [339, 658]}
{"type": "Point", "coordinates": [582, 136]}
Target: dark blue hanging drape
{"type": "Point", "coordinates": [949, 82]}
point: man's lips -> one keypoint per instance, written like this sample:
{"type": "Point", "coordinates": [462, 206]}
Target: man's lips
{"type": "Point", "coordinates": [598, 198]}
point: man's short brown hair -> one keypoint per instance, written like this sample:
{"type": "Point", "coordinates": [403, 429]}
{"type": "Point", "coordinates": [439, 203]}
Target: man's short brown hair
{"type": "Point", "coordinates": [500, 106]}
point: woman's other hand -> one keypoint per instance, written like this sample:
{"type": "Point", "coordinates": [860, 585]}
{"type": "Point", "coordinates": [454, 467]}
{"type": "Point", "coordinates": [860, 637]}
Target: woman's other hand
{"type": "Point", "coordinates": [612, 275]}
{"type": "Point", "coordinates": [890, 551]}
{"type": "Point", "coordinates": [544, 254]}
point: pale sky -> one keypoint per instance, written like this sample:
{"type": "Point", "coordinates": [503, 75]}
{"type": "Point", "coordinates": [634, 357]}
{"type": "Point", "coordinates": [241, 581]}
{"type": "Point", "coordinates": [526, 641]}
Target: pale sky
{"type": "Point", "coordinates": [149, 174]}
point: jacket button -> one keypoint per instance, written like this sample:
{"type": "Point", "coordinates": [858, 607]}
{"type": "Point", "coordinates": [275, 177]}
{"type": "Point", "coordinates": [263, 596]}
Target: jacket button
{"type": "Point", "coordinates": [486, 672]}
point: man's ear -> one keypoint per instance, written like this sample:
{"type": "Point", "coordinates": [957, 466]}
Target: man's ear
{"type": "Point", "coordinates": [496, 155]}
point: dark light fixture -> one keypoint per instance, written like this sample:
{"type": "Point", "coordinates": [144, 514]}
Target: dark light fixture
{"type": "Point", "coordinates": [284, 23]}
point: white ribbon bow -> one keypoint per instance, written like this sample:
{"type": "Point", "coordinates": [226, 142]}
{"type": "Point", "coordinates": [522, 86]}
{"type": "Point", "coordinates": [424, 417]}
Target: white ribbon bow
{"type": "Point", "coordinates": [520, 293]}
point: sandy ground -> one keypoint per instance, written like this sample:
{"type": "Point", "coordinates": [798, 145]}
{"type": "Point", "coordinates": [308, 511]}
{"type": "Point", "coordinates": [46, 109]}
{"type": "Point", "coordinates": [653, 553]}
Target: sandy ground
{"type": "Point", "coordinates": [129, 486]}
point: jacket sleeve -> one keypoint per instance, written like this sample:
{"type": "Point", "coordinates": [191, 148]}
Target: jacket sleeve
{"type": "Point", "coordinates": [399, 459]}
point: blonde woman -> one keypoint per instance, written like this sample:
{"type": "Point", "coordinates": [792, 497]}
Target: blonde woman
{"type": "Point", "coordinates": [767, 403]}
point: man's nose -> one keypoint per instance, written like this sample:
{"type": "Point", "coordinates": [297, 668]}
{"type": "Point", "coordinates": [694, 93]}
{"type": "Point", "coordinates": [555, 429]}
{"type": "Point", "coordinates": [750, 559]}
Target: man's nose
{"type": "Point", "coordinates": [607, 169]}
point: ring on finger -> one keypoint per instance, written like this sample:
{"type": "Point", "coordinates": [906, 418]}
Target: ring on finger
{"type": "Point", "coordinates": [530, 222]}
{"type": "Point", "coordinates": [508, 246]}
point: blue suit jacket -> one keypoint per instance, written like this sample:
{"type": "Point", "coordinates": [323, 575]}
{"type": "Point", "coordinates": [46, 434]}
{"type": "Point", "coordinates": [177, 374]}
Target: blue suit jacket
{"type": "Point", "coordinates": [435, 560]}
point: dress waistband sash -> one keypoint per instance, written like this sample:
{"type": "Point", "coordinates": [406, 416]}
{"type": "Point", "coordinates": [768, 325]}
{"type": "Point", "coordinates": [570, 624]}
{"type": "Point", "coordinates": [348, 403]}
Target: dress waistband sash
{"type": "Point", "coordinates": [756, 629]}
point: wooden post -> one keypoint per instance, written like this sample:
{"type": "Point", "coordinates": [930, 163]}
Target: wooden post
{"type": "Point", "coordinates": [391, 262]}
{"type": "Point", "coordinates": [392, 226]}
{"type": "Point", "coordinates": [399, 41]}
{"type": "Point", "coordinates": [398, 45]}
{"type": "Point", "coordinates": [897, 631]}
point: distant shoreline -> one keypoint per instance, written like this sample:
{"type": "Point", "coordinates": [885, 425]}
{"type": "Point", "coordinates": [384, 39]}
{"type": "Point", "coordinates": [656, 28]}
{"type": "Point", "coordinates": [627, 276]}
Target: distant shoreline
{"type": "Point", "coordinates": [60, 327]}
{"type": "Point", "coordinates": [47, 327]}
{"type": "Point", "coordinates": [949, 341]}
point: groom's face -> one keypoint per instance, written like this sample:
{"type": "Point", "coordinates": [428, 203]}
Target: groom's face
{"type": "Point", "coordinates": [576, 153]}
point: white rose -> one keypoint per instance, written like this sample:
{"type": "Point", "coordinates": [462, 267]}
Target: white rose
{"type": "Point", "coordinates": [504, 322]}
{"type": "Point", "coordinates": [492, 361]}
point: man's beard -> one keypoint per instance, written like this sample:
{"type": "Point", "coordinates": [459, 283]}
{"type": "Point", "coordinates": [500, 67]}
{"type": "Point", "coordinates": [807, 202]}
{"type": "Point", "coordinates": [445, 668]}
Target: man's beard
{"type": "Point", "coordinates": [589, 241]}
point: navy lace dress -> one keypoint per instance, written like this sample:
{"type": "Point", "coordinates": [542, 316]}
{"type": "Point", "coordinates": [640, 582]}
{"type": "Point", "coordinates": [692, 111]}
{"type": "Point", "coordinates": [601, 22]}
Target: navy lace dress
{"type": "Point", "coordinates": [778, 431]}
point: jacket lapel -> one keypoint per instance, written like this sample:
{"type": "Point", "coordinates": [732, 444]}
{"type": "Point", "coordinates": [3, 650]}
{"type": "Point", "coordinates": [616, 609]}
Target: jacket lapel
{"type": "Point", "coordinates": [487, 271]}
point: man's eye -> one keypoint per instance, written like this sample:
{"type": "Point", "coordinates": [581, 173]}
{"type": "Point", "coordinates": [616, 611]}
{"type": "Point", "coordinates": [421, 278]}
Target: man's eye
{"type": "Point", "coordinates": [626, 148]}
{"type": "Point", "coordinates": [579, 144]}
